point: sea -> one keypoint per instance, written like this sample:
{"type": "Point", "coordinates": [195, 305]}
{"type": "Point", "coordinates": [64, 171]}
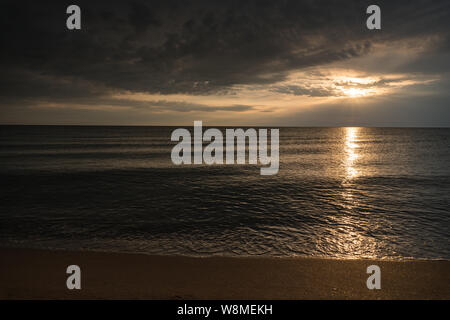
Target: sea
{"type": "Point", "coordinates": [345, 192]}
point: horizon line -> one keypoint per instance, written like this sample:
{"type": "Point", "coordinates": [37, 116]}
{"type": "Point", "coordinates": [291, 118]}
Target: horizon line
{"type": "Point", "coordinates": [222, 126]}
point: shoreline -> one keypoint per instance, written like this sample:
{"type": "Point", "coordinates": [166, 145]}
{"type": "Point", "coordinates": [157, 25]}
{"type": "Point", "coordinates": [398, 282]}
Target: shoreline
{"type": "Point", "coordinates": [232, 256]}
{"type": "Point", "coordinates": [41, 274]}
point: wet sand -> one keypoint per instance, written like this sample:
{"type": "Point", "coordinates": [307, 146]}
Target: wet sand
{"type": "Point", "coordinates": [41, 274]}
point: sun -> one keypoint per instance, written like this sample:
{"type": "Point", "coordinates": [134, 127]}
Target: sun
{"type": "Point", "coordinates": [356, 92]}
{"type": "Point", "coordinates": [356, 87]}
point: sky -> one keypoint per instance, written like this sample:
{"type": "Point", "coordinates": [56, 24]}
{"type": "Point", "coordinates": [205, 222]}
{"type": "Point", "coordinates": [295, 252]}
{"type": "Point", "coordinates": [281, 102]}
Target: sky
{"type": "Point", "coordinates": [227, 63]}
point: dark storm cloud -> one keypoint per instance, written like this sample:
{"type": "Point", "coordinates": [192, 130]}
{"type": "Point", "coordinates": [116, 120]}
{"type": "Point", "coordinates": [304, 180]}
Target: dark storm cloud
{"type": "Point", "coordinates": [44, 89]}
{"type": "Point", "coordinates": [28, 84]}
{"type": "Point", "coordinates": [181, 106]}
{"type": "Point", "coordinates": [163, 105]}
{"type": "Point", "coordinates": [304, 91]}
{"type": "Point", "coordinates": [193, 47]}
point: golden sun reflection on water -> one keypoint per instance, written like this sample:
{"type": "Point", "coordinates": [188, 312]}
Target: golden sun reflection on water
{"type": "Point", "coordinates": [347, 235]}
{"type": "Point", "coordinates": [351, 151]}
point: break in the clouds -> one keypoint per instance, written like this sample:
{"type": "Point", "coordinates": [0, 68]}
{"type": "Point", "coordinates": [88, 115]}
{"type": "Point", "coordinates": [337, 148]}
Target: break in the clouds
{"type": "Point", "coordinates": [260, 62]}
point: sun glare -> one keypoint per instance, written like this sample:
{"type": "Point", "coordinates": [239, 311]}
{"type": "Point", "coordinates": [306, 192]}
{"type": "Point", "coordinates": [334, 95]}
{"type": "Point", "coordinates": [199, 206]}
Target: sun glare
{"type": "Point", "coordinates": [355, 92]}
{"type": "Point", "coordinates": [355, 87]}
{"type": "Point", "coordinates": [351, 148]}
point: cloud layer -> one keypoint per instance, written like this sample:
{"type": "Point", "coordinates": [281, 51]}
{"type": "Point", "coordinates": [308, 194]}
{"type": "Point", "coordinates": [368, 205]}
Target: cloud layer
{"type": "Point", "coordinates": [209, 48]}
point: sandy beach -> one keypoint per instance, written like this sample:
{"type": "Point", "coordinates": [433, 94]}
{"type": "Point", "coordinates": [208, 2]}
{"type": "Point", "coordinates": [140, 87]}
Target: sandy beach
{"type": "Point", "coordinates": [41, 274]}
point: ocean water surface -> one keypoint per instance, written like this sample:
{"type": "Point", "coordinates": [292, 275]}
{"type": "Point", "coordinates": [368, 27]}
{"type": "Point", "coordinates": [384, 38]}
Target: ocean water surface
{"type": "Point", "coordinates": [340, 192]}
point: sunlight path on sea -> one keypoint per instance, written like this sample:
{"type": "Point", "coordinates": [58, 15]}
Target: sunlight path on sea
{"type": "Point", "coordinates": [351, 147]}
{"type": "Point", "coordinates": [350, 155]}
{"type": "Point", "coordinates": [348, 234]}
